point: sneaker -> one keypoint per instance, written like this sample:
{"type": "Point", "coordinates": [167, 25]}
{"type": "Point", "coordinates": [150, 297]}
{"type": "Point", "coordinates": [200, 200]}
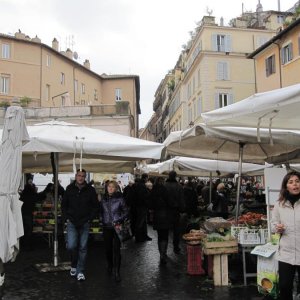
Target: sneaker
{"type": "Point", "coordinates": [80, 277]}
{"type": "Point", "coordinates": [73, 272]}
{"type": "Point", "coordinates": [2, 277]}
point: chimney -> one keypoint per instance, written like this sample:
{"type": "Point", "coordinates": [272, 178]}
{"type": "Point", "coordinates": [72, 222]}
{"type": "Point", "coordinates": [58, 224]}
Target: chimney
{"type": "Point", "coordinates": [55, 44]}
{"type": "Point", "coordinates": [222, 21]}
{"type": "Point", "coordinates": [278, 5]}
{"type": "Point", "coordinates": [36, 39]}
{"type": "Point", "coordinates": [87, 64]}
{"type": "Point", "coordinates": [69, 53]}
{"type": "Point", "coordinates": [20, 35]}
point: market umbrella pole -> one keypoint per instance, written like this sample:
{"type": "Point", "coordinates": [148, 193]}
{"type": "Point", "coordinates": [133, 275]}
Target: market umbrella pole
{"type": "Point", "coordinates": [62, 266]}
{"type": "Point", "coordinates": [237, 211]}
{"type": "Point", "coordinates": [55, 171]}
{"type": "Point", "coordinates": [210, 187]}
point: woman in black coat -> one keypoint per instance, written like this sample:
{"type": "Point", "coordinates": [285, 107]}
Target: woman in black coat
{"type": "Point", "coordinates": [162, 221]}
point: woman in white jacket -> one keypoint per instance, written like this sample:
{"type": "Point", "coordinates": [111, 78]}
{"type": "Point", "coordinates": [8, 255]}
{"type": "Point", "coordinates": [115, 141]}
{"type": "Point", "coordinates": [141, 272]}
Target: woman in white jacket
{"type": "Point", "coordinates": [286, 222]}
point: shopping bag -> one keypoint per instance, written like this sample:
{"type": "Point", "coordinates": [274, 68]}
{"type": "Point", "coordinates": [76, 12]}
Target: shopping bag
{"type": "Point", "coordinates": [123, 230]}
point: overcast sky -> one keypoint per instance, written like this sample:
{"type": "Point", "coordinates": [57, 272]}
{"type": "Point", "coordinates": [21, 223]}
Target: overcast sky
{"type": "Point", "coordinates": [137, 37]}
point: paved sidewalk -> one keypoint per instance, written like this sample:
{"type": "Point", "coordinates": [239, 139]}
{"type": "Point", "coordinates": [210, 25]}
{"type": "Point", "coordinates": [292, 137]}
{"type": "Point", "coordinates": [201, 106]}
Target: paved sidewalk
{"type": "Point", "coordinates": [142, 277]}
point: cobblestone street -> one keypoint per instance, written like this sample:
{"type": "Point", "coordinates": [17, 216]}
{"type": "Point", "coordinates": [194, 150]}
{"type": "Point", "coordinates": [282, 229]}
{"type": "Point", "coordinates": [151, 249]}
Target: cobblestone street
{"type": "Point", "coordinates": [142, 277]}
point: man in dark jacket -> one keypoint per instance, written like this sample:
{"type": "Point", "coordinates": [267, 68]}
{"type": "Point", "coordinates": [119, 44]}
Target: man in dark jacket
{"type": "Point", "coordinates": [141, 197]}
{"type": "Point", "coordinates": [176, 202]}
{"type": "Point", "coordinates": [79, 207]}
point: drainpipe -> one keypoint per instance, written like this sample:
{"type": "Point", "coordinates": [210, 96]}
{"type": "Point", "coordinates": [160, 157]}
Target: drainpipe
{"type": "Point", "coordinates": [41, 75]}
{"type": "Point", "coordinates": [279, 55]}
{"type": "Point", "coordinates": [74, 91]}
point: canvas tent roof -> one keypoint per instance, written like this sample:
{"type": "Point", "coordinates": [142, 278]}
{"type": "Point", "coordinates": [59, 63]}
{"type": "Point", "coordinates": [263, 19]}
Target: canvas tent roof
{"type": "Point", "coordinates": [222, 143]}
{"type": "Point", "coordinates": [276, 109]}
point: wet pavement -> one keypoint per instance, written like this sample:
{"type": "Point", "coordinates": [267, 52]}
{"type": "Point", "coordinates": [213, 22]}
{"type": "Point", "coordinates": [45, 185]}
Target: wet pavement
{"type": "Point", "coordinates": [142, 277]}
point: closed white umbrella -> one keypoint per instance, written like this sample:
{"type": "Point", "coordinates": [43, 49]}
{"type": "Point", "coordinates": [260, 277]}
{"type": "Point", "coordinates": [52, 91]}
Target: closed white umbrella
{"type": "Point", "coordinates": [11, 226]}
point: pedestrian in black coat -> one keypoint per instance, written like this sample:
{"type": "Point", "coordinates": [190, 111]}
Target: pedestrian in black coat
{"type": "Point", "coordinates": [162, 216]}
{"type": "Point", "coordinates": [176, 202]}
{"type": "Point", "coordinates": [190, 199]}
{"type": "Point", "coordinates": [141, 196]}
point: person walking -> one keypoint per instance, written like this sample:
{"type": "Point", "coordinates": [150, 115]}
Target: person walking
{"type": "Point", "coordinates": [162, 218]}
{"type": "Point", "coordinates": [112, 210]}
{"type": "Point", "coordinates": [176, 202]}
{"type": "Point", "coordinates": [79, 207]}
{"type": "Point", "coordinates": [141, 196]}
{"type": "Point", "coordinates": [220, 202]}
{"type": "Point", "coordinates": [190, 199]}
{"type": "Point", "coordinates": [286, 222]}
{"type": "Point", "coordinates": [29, 197]}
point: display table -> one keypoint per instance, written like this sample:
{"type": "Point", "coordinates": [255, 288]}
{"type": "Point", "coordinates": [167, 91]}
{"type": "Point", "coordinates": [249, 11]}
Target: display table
{"type": "Point", "coordinates": [246, 249]}
{"type": "Point", "coordinates": [219, 252]}
{"type": "Point", "coordinates": [47, 233]}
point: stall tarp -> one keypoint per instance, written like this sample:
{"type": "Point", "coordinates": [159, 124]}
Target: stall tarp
{"type": "Point", "coordinates": [62, 137]}
{"type": "Point", "coordinates": [41, 163]}
{"type": "Point", "coordinates": [223, 143]}
{"type": "Point", "coordinates": [187, 166]}
{"type": "Point", "coordinates": [276, 109]}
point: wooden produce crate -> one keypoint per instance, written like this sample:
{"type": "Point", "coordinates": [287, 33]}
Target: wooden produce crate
{"type": "Point", "coordinates": [225, 247]}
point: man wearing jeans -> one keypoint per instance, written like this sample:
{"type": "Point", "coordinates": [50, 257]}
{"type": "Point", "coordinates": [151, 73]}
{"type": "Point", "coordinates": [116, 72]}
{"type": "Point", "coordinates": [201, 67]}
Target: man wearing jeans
{"type": "Point", "coordinates": [79, 207]}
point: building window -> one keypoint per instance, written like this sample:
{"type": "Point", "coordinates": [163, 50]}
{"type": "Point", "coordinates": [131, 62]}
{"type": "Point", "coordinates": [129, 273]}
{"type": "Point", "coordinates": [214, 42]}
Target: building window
{"type": "Point", "coordinates": [76, 86]}
{"type": "Point", "coordinates": [287, 53]}
{"type": "Point", "coordinates": [82, 102]}
{"type": "Point", "coordinates": [221, 43]}
{"type": "Point", "coordinates": [194, 85]}
{"type": "Point", "coordinates": [5, 51]}
{"type": "Point", "coordinates": [190, 114]}
{"type": "Point", "coordinates": [4, 84]}
{"type": "Point", "coordinates": [261, 40]}
{"type": "Point", "coordinates": [48, 95]}
{"type": "Point", "coordinates": [222, 70]}
{"type": "Point", "coordinates": [48, 60]}
{"type": "Point", "coordinates": [270, 65]}
{"type": "Point", "coordinates": [62, 78]}
{"type": "Point", "coordinates": [189, 90]}
{"type": "Point", "coordinates": [199, 106]}
{"type": "Point", "coordinates": [223, 99]}
{"type": "Point", "coordinates": [95, 95]}
{"type": "Point", "coordinates": [199, 82]}
{"type": "Point", "coordinates": [118, 94]}
{"type": "Point", "coordinates": [82, 88]}
{"type": "Point", "coordinates": [195, 109]}
{"type": "Point", "coordinates": [280, 19]}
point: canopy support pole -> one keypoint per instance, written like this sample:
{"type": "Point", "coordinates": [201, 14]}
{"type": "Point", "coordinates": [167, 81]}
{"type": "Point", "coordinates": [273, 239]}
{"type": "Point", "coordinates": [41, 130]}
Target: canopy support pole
{"type": "Point", "coordinates": [238, 189]}
{"type": "Point", "coordinates": [55, 239]}
{"type": "Point", "coordinates": [210, 187]}
{"type": "Point", "coordinates": [62, 266]}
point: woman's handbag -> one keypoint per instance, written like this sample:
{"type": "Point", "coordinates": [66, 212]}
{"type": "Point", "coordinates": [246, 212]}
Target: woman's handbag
{"type": "Point", "coordinates": [123, 230]}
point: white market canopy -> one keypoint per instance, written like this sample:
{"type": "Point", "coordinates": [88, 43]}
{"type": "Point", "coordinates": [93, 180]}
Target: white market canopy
{"type": "Point", "coordinates": [223, 143]}
{"type": "Point", "coordinates": [274, 109]}
{"type": "Point", "coordinates": [62, 137]}
{"type": "Point", "coordinates": [102, 151]}
{"type": "Point", "coordinates": [187, 166]}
